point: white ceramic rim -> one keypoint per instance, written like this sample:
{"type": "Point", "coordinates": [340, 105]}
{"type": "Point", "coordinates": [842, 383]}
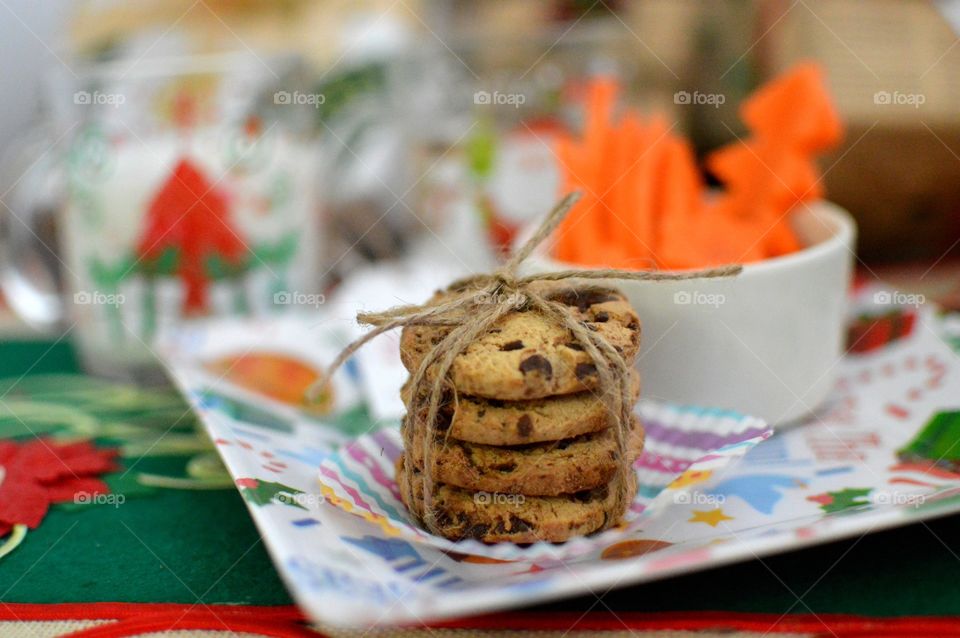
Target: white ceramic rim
{"type": "Point", "coordinates": [844, 232]}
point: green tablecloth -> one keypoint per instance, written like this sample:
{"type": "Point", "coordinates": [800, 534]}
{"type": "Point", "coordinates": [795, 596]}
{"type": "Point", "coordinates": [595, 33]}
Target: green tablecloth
{"type": "Point", "coordinates": [168, 546]}
{"type": "Point", "coordinates": [183, 546]}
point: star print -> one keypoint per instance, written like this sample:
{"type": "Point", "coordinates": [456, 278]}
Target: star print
{"type": "Point", "coordinates": [710, 517]}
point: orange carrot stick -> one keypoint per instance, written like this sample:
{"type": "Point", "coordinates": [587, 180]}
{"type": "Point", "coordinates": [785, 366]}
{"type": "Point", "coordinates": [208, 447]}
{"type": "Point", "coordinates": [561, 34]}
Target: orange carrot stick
{"type": "Point", "coordinates": [644, 200]}
{"type": "Point", "coordinates": [632, 245]}
{"type": "Point", "coordinates": [680, 204]}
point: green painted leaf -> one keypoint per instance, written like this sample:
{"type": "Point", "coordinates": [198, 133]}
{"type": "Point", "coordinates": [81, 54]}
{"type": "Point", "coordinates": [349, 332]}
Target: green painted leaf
{"type": "Point", "coordinates": [937, 441]}
{"type": "Point", "coordinates": [267, 492]}
{"type": "Point", "coordinates": [847, 498]}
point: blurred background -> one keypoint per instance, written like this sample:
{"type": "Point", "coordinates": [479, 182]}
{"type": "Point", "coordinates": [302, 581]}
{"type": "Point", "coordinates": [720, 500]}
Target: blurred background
{"type": "Point", "coordinates": [266, 152]}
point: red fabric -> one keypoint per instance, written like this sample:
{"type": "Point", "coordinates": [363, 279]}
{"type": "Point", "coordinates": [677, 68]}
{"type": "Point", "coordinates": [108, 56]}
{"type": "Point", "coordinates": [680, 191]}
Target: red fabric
{"type": "Point", "coordinates": [22, 501]}
{"type": "Point", "coordinates": [47, 461]}
{"type": "Point", "coordinates": [287, 621]}
{"type": "Point", "coordinates": [134, 619]}
{"type": "Point", "coordinates": [121, 611]}
{"type": "Point", "coordinates": [840, 625]}
{"type": "Point", "coordinates": [65, 489]}
{"type": "Point", "coordinates": [42, 472]}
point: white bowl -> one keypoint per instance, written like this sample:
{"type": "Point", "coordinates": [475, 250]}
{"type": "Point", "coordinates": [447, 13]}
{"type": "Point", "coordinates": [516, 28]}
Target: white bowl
{"type": "Point", "coordinates": [765, 343]}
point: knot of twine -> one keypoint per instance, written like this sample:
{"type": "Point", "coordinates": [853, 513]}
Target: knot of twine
{"type": "Point", "coordinates": [474, 304]}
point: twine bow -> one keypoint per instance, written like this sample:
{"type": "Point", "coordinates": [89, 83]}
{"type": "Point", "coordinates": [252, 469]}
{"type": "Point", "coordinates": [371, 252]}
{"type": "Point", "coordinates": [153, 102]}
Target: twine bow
{"type": "Point", "coordinates": [474, 304]}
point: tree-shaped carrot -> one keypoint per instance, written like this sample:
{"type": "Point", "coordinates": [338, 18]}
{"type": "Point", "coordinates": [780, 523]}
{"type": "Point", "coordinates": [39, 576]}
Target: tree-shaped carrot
{"type": "Point", "coordinates": [790, 120]}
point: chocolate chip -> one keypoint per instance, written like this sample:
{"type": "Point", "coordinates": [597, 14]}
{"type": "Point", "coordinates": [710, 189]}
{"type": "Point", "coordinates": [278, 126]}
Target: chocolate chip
{"type": "Point", "coordinates": [444, 419]}
{"type": "Point", "coordinates": [512, 345]}
{"type": "Point", "coordinates": [513, 524]}
{"type": "Point", "coordinates": [601, 317]}
{"type": "Point", "coordinates": [537, 363]}
{"type": "Point", "coordinates": [478, 530]}
{"type": "Point", "coordinates": [505, 467]}
{"type": "Point", "coordinates": [633, 325]}
{"type": "Point", "coordinates": [521, 524]}
{"type": "Point", "coordinates": [584, 370]}
{"type": "Point", "coordinates": [583, 298]}
{"type": "Point", "coordinates": [524, 425]}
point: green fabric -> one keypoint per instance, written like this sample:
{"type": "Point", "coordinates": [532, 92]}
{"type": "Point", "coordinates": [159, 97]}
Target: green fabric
{"type": "Point", "coordinates": [166, 546]}
{"type": "Point", "coordinates": [169, 546]}
{"type": "Point", "coordinates": [203, 544]}
{"type": "Point", "coordinates": [910, 571]}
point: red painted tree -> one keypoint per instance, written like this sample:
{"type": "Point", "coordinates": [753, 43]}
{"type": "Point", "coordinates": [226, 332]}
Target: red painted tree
{"type": "Point", "coordinates": [189, 220]}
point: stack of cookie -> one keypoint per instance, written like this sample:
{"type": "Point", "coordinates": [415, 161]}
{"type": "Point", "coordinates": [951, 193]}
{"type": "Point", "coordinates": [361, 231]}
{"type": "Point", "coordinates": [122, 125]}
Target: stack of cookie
{"type": "Point", "coordinates": [524, 449]}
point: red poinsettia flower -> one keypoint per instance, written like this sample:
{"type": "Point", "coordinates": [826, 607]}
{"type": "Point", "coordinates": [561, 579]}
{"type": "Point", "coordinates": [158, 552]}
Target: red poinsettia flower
{"type": "Point", "coordinates": [38, 473]}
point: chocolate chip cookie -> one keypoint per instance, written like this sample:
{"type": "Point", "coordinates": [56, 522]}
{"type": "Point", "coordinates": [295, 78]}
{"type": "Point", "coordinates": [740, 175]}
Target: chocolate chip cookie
{"type": "Point", "coordinates": [495, 422]}
{"type": "Point", "coordinates": [494, 518]}
{"type": "Point", "coordinates": [542, 469]}
{"type": "Point", "coordinates": [526, 355]}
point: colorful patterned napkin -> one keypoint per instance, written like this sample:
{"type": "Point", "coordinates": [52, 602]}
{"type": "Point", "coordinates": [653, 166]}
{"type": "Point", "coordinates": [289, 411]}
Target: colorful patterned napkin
{"type": "Point", "coordinates": [681, 442]}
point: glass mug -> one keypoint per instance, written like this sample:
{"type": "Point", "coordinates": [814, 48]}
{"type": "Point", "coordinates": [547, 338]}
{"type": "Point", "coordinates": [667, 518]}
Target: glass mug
{"type": "Point", "coordinates": [173, 190]}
